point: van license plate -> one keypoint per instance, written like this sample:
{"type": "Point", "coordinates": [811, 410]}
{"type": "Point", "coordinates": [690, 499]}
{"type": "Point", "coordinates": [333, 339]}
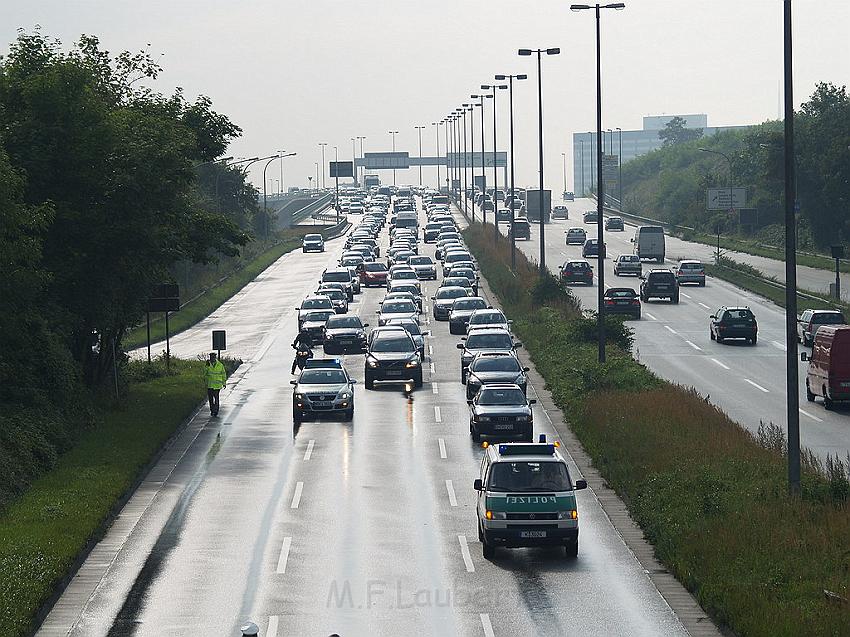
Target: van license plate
{"type": "Point", "coordinates": [530, 534]}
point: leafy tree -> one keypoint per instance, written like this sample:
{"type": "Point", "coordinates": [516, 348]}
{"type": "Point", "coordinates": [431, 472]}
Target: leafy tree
{"type": "Point", "coordinates": [675, 132]}
{"type": "Point", "coordinates": [117, 163]}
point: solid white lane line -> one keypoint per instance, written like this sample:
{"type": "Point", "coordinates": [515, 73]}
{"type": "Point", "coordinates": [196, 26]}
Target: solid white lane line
{"type": "Point", "coordinates": [486, 625]}
{"type": "Point", "coordinates": [284, 555]}
{"type": "Point", "coordinates": [438, 417]}
{"type": "Point", "coordinates": [296, 498]}
{"type": "Point", "coordinates": [442, 445]}
{"type": "Point", "coordinates": [696, 347]}
{"type": "Point", "coordinates": [687, 296]}
{"type": "Point", "coordinates": [451, 490]}
{"type": "Point", "coordinates": [434, 388]}
{"type": "Point", "coordinates": [705, 306]}
{"type": "Point", "coordinates": [430, 351]}
{"type": "Point", "coordinates": [714, 360]}
{"type": "Point", "coordinates": [812, 416]}
{"type": "Point", "coordinates": [464, 551]}
{"type": "Point", "coordinates": [651, 317]}
{"type": "Point", "coordinates": [778, 345]}
{"type": "Point", "coordinates": [670, 329]}
{"type": "Point", "coordinates": [433, 369]}
{"type": "Point", "coordinates": [271, 631]}
{"type": "Point", "coordinates": [757, 386]}
{"type": "Point", "coordinates": [309, 452]}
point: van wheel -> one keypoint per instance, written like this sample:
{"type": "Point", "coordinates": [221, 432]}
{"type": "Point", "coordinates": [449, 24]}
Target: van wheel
{"type": "Point", "coordinates": [827, 401]}
{"type": "Point", "coordinates": [571, 549]}
{"type": "Point", "coordinates": [488, 550]}
{"type": "Point", "coordinates": [476, 436]}
{"type": "Point", "coordinates": [809, 395]}
{"type": "Point", "coordinates": [754, 339]}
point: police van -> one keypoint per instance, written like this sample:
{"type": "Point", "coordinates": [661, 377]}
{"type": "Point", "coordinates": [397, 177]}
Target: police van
{"type": "Point", "coordinates": [526, 497]}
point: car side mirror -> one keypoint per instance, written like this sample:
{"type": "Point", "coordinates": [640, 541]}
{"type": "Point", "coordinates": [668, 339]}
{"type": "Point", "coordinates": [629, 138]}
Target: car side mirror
{"type": "Point", "coordinates": [365, 325]}
{"type": "Point", "coordinates": [295, 382]}
{"type": "Point", "coordinates": [711, 316]}
{"type": "Point", "coordinates": [478, 485]}
{"type": "Point", "coordinates": [580, 484]}
{"type": "Point", "coordinates": [469, 401]}
{"type": "Point", "coordinates": [632, 240]}
{"type": "Point", "coordinates": [804, 357]}
{"type": "Point", "coordinates": [526, 369]}
{"type": "Point", "coordinates": [517, 345]}
{"type": "Point", "coordinates": [459, 345]}
{"type": "Point", "coordinates": [533, 401]}
{"type": "Point", "coordinates": [433, 298]}
{"type": "Point", "coordinates": [353, 381]}
{"type": "Point", "coordinates": [426, 333]}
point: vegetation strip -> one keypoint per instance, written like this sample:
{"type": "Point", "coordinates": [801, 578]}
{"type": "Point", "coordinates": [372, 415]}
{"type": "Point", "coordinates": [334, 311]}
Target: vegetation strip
{"type": "Point", "coordinates": [709, 496]}
{"type": "Point", "coordinates": [44, 530]}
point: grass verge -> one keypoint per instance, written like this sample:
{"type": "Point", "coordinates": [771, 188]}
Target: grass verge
{"type": "Point", "coordinates": [44, 530]}
{"type": "Point", "coordinates": [749, 278]}
{"type": "Point", "coordinates": [201, 307]}
{"type": "Point", "coordinates": [710, 496]}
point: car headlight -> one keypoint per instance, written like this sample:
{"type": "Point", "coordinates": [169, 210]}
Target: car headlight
{"type": "Point", "coordinates": [371, 362]}
{"type": "Point", "coordinates": [520, 380]}
{"type": "Point", "coordinates": [484, 418]}
{"type": "Point", "coordinates": [299, 395]}
{"type": "Point", "coordinates": [523, 418]}
{"type": "Point", "coordinates": [496, 515]}
{"type": "Point", "coordinates": [344, 395]}
{"type": "Point", "coordinates": [413, 363]}
{"type": "Point", "coordinates": [472, 380]}
{"type": "Point", "coordinates": [571, 514]}
{"type": "Point", "coordinates": [329, 336]}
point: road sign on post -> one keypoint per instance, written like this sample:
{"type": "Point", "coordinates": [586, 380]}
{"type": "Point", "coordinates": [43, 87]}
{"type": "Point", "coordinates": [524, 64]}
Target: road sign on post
{"type": "Point", "coordinates": [165, 298]}
{"type": "Point", "coordinates": [219, 341]}
{"type": "Point", "coordinates": [726, 198]}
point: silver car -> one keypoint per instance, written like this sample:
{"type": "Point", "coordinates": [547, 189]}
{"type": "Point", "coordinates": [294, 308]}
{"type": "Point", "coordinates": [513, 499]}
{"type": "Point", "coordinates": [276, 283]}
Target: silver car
{"type": "Point", "coordinates": [628, 264]}
{"type": "Point", "coordinates": [319, 390]}
{"type": "Point", "coordinates": [691, 271]}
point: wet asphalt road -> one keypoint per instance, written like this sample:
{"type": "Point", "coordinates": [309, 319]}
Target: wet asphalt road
{"type": "Point", "coordinates": [362, 528]}
{"type": "Point", "coordinates": [747, 382]}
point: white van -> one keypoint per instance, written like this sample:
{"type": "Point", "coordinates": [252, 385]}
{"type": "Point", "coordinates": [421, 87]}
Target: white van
{"type": "Point", "coordinates": [649, 243]}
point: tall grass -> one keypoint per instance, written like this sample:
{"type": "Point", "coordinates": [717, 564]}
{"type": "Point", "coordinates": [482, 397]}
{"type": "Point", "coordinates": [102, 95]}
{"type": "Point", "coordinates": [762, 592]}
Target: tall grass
{"type": "Point", "coordinates": [711, 497]}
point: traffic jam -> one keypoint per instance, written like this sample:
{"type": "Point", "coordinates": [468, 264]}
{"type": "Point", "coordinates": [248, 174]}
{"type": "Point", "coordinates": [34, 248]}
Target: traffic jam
{"type": "Point", "coordinates": [402, 240]}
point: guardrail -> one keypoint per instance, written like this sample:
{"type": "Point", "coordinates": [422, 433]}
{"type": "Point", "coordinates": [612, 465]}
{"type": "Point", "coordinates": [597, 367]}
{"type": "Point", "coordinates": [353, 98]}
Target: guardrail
{"type": "Point", "coordinates": [637, 218]}
{"type": "Point", "coordinates": [311, 208]}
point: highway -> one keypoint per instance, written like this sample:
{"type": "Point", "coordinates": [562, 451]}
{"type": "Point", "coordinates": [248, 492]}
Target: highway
{"type": "Point", "coordinates": [747, 382]}
{"type": "Point", "coordinates": [362, 528]}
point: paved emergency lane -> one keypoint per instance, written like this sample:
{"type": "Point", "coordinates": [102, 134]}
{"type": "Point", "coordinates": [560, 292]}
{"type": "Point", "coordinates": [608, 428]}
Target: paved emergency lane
{"type": "Point", "coordinates": [747, 382]}
{"type": "Point", "coordinates": [361, 528]}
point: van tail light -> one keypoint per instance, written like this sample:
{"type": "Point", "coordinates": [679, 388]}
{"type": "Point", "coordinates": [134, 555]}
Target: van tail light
{"type": "Point", "coordinates": [636, 302]}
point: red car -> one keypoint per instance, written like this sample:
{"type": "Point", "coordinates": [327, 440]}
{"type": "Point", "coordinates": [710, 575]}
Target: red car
{"type": "Point", "coordinates": [373, 273]}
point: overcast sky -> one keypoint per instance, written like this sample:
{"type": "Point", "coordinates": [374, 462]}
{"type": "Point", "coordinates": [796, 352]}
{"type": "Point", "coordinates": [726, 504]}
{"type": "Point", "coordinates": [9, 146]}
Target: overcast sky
{"type": "Point", "coordinates": [293, 73]}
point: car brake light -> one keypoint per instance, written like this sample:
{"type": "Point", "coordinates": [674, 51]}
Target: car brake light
{"type": "Point", "coordinates": [609, 302]}
{"type": "Point", "coordinates": [636, 302]}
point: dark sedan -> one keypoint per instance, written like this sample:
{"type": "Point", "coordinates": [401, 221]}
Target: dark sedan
{"type": "Point", "coordinates": [345, 335]}
{"type": "Point", "coordinates": [577, 271]}
{"type": "Point", "coordinates": [501, 412]}
{"type": "Point", "coordinates": [490, 369]}
{"type": "Point", "coordinates": [622, 301]}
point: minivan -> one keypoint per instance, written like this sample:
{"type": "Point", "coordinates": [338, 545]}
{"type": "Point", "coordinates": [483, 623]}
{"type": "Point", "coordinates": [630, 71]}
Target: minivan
{"type": "Point", "coordinates": [649, 243]}
{"type": "Point", "coordinates": [829, 365]}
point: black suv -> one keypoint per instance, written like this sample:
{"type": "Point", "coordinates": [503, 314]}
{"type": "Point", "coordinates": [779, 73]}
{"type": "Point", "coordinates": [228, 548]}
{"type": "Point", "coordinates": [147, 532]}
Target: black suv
{"type": "Point", "coordinates": [393, 356]}
{"type": "Point", "coordinates": [659, 284]}
{"type": "Point", "coordinates": [733, 322]}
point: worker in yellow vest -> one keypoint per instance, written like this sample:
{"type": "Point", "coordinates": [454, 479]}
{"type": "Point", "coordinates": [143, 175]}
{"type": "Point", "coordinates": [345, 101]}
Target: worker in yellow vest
{"type": "Point", "coordinates": [215, 375]}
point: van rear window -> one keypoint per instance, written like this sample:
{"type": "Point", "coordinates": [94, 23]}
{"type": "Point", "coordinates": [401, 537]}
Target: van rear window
{"type": "Point", "coordinates": [651, 229]}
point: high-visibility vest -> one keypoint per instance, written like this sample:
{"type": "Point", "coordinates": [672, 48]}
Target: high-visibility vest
{"type": "Point", "coordinates": [215, 375]}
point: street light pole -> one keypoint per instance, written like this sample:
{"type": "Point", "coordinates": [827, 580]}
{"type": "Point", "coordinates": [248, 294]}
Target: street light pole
{"type": "Point", "coordinates": [446, 129]}
{"type": "Point", "coordinates": [420, 128]}
{"type": "Point", "coordinates": [495, 87]}
{"type": "Point", "coordinates": [322, 145]}
{"type": "Point", "coordinates": [581, 142]}
{"type": "Point", "coordinates": [436, 126]}
{"type": "Point", "coordinates": [462, 112]}
{"type": "Point", "coordinates": [393, 133]}
{"type": "Point", "coordinates": [564, 155]}
{"type": "Point", "coordinates": [600, 187]}
{"type": "Point", "coordinates": [792, 381]}
{"type": "Point", "coordinates": [280, 152]}
{"type": "Point", "coordinates": [362, 138]}
{"type": "Point", "coordinates": [471, 189]}
{"type": "Point", "coordinates": [528, 52]}
{"type": "Point", "coordinates": [317, 176]}
{"type": "Point", "coordinates": [511, 79]}
{"type": "Point", "coordinates": [336, 184]}
{"type": "Point", "coordinates": [620, 166]}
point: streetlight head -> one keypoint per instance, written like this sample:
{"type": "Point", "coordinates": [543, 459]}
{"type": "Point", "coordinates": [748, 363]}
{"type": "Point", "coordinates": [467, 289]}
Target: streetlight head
{"type": "Point", "coordinates": [501, 77]}
{"type": "Point", "coordinates": [466, 105]}
{"type": "Point", "coordinates": [619, 6]}
{"type": "Point", "coordinates": [486, 87]}
{"type": "Point", "coordinates": [502, 86]}
{"type": "Point", "coordinates": [524, 52]}
{"type": "Point", "coordinates": [522, 76]}
{"type": "Point", "coordinates": [475, 97]}
{"type": "Point", "coordinates": [579, 7]}
{"type": "Point", "coordinates": [553, 51]}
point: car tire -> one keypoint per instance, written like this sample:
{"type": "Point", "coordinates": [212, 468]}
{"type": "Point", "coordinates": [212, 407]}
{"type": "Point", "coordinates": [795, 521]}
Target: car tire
{"type": "Point", "coordinates": [809, 395]}
{"type": "Point", "coordinates": [754, 339]}
{"type": "Point", "coordinates": [474, 434]}
{"type": "Point", "coordinates": [710, 335]}
{"type": "Point", "coordinates": [675, 299]}
{"type": "Point", "coordinates": [349, 414]}
{"type": "Point", "coordinates": [488, 550]}
{"type": "Point", "coordinates": [719, 338]}
{"type": "Point", "coordinates": [417, 380]}
{"type": "Point", "coordinates": [369, 382]}
{"type": "Point", "coordinates": [827, 401]}
{"type": "Point", "coordinates": [297, 416]}
{"type": "Point", "coordinates": [702, 284]}
{"type": "Point", "coordinates": [571, 550]}
{"type": "Point", "coordinates": [463, 376]}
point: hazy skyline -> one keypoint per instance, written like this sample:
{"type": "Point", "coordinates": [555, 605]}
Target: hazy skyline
{"type": "Point", "coordinates": [294, 74]}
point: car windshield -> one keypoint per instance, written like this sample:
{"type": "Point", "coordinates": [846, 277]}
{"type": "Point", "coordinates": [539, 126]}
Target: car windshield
{"type": "Point", "coordinates": [376, 267]}
{"type": "Point", "coordinates": [577, 265]}
{"type": "Point", "coordinates": [690, 266]}
{"type": "Point", "coordinates": [404, 274]}
{"type": "Point", "coordinates": [488, 318]}
{"type": "Point", "coordinates": [395, 307]}
{"type": "Point", "coordinates": [337, 276]}
{"type": "Point", "coordinates": [312, 237]}
{"type": "Point", "coordinates": [393, 344]}
{"type": "Point", "coordinates": [464, 272]}
{"type": "Point", "coordinates": [496, 364]}
{"type": "Point", "coordinates": [461, 281]}
{"type": "Point", "coordinates": [469, 304]}
{"type": "Point", "coordinates": [421, 261]}
{"type": "Point", "coordinates": [309, 304]}
{"type": "Point", "coordinates": [334, 293]}
{"type": "Point", "coordinates": [661, 276]}
{"type": "Point", "coordinates": [457, 256]}
{"type": "Point", "coordinates": [352, 261]}
{"type": "Point", "coordinates": [410, 326]}
{"type": "Point", "coordinates": [576, 231]}
{"type": "Point", "coordinates": [490, 396]}
{"type": "Point", "coordinates": [322, 377]}
{"type": "Point", "coordinates": [630, 257]}
{"type": "Point", "coordinates": [448, 293]}
{"type": "Point", "coordinates": [489, 341]}
{"type": "Point", "coordinates": [739, 315]}
{"type": "Point", "coordinates": [620, 294]}
{"type": "Point", "coordinates": [529, 476]}
{"type": "Point", "coordinates": [319, 317]}
{"type": "Point", "coordinates": [344, 321]}
{"type": "Point", "coordinates": [828, 318]}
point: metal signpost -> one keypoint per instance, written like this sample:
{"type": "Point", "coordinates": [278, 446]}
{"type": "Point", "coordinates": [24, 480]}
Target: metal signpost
{"type": "Point", "coordinates": [340, 169]}
{"type": "Point", "coordinates": [726, 198]}
{"type": "Point", "coordinates": [165, 298]}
